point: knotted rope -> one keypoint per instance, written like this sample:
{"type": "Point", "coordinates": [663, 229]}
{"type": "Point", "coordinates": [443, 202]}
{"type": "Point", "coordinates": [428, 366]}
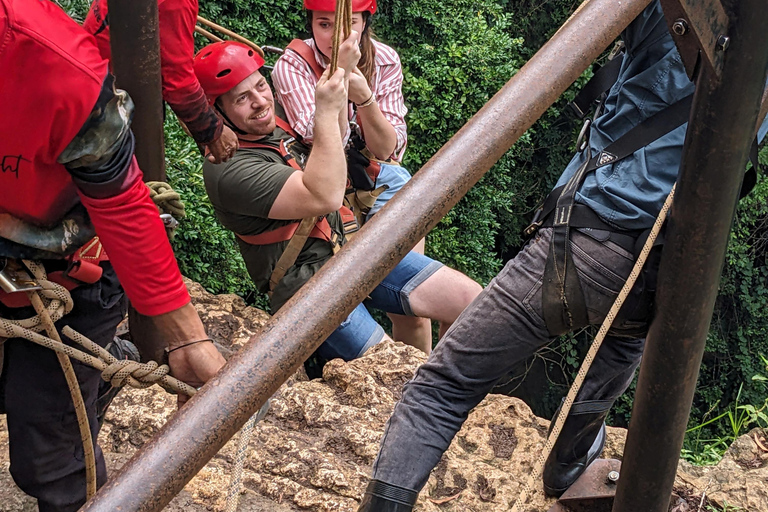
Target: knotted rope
{"type": "Point", "coordinates": [587, 363]}
{"type": "Point", "coordinates": [168, 201]}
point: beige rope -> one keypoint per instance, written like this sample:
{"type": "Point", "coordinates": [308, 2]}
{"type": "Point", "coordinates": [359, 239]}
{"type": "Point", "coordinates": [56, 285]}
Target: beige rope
{"type": "Point", "coordinates": [200, 30]}
{"type": "Point", "coordinates": [233, 496]}
{"type": "Point", "coordinates": [227, 32]}
{"type": "Point", "coordinates": [74, 390]}
{"type": "Point", "coordinates": [166, 199]}
{"type": "Point", "coordinates": [341, 28]}
{"type": "Point", "coordinates": [587, 363]}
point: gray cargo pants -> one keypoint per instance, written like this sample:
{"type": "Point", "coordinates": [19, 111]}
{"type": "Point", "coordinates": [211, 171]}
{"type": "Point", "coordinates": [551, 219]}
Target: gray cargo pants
{"type": "Point", "coordinates": [501, 327]}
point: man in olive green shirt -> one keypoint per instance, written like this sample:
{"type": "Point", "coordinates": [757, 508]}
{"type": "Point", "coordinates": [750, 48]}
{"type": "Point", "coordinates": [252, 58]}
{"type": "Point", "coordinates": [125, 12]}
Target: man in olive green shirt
{"type": "Point", "coordinates": [257, 193]}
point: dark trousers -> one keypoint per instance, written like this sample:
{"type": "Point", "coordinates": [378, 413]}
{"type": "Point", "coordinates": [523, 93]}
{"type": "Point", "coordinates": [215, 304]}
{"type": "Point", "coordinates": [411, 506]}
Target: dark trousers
{"type": "Point", "coordinates": [503, 326]}
{"type": "Point", "coordinates": [46, 451]}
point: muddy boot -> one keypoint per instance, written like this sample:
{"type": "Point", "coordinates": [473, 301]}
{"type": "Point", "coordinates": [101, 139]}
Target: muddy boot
{"type": "Point", "coordinates": [580, 442]}
{"type": "Point", "coordinates": [121, 349]}
{"type": "Point", "coordinates": [384, 497]}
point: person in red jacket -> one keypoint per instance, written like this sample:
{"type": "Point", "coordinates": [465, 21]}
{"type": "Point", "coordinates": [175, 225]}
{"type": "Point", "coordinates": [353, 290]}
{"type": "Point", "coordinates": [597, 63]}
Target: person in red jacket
{"type": "Point", "coordinates": [68, 172]}
{"type": "Point", "coordinates": [181, 90]}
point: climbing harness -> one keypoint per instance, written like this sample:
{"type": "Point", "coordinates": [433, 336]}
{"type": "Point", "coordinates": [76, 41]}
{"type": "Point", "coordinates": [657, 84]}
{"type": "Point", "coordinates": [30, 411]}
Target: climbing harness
{"type": "Point", "coordinates": [51, 302]}
{"type": "Point", "coordinates": [561, 212]}
{"type": "Point", "coordinates": [593, 349]}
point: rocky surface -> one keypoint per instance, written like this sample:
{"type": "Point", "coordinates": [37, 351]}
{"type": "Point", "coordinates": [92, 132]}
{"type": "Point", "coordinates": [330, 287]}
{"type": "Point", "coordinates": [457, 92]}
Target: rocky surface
{"type": "Point", "coordinates": [314, 450]}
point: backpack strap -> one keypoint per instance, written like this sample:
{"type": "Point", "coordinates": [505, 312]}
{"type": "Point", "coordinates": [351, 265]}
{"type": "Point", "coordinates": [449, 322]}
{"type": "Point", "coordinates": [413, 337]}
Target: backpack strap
{"type": "Point", "coordinates": [304, 51]}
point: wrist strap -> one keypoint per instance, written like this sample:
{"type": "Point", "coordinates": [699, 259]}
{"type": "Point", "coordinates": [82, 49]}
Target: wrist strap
{"type": "Point", "coordinates": [168, 351]}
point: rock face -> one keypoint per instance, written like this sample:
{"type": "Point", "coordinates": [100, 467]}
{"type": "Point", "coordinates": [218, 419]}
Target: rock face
{"type": "Point", "coordinates": [314, 450]}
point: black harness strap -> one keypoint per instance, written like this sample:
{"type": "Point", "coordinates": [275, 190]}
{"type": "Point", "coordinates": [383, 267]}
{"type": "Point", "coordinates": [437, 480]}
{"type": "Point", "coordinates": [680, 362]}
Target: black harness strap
{"type": "Point", "coordinates": [563, 303]}
{"type": "Point", "coordinates": [601, 82]}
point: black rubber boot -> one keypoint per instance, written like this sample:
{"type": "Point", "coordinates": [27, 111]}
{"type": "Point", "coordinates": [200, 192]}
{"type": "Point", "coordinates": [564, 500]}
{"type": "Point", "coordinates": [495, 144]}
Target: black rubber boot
{"type": "Point", "coordinates": [581, 441]}
{"type": "Point", "coordinates": [384, 497]}
{"type": "Point", "coordinates": [121, 349]}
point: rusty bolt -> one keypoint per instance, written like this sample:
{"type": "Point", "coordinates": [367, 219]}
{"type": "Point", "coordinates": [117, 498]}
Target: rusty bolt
{"type": "Point", "coordinates": [680, 27]}
{"type": "Point", "coordinates": [613, 477]}
{"type": "Point", "coordinates": [723, 42]}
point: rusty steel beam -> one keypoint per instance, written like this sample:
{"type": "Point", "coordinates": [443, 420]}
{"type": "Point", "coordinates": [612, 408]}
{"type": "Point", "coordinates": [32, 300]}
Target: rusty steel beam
{"type": "Point", "coordinates": [135, 46]}
{"type": "Point", "coordinates": [184, 445]}
{"type": "Point", "coordinates": [720, 131]}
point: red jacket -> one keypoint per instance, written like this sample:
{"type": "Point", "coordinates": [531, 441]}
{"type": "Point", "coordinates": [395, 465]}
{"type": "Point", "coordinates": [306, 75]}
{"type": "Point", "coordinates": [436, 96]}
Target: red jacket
{"type": "Point", "coordinates": [181, 89]}
{"type": "Point", "coordinates": [54, 74]}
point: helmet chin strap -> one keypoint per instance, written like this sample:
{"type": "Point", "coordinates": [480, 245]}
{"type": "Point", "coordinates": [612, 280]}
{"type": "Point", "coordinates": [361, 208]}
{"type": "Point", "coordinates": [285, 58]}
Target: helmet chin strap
{"type": "Point", "coordinates": [228, 121]}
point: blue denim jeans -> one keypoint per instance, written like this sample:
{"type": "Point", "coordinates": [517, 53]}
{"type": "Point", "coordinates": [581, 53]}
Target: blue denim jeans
{"type": "Point", "coordinates": [502, 327]}
{"type": "Point", "coordinates": [394, 177]}
{"type": "Point", "coordinates": [359, 331]}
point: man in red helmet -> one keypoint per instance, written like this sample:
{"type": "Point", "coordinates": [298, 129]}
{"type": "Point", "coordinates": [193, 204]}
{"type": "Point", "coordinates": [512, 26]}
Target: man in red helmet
{"type": "Point", "coordinates": [68, 173]}
{"type": "Point", "coordinates": [262, 193]}
{"type": "Point", "coordinates": [181, 90]}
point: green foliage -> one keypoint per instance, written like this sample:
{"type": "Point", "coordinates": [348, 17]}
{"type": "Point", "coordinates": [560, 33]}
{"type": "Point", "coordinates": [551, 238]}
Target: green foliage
{"type": "Point", "coordinates": [456, 54]}
{"type": "Point", "coordinates": [207, 253]}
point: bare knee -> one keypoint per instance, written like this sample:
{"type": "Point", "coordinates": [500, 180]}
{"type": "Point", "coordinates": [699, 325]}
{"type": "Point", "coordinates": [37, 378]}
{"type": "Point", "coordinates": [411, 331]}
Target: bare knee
{"type": "Point", "coordinates": [444, 295]}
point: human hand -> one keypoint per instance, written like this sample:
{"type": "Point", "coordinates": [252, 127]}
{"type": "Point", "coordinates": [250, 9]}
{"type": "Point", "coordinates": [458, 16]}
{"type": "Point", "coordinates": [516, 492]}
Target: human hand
{"type": "Point", "coordinates": [349, 53]}
{"type": "Point", "coordinates": [359, 90]}
{"type": "Point", "coordinates": [193, 363]}
{"type": "Point", "coordinates": [330, 95]}
{"type": "Point", "coordinates": [223, 148]}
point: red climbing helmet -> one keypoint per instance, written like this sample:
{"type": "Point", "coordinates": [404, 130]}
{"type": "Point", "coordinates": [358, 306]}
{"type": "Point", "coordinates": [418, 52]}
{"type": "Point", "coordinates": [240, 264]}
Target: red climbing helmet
{"type": "Point", "coordinates": [221, 66]}
{"type": "Point", "coordinates": [330, 5]}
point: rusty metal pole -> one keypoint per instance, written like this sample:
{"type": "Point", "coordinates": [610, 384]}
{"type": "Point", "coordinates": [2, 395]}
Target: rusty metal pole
{"type": "Point", "coordinates": [135, 46]}
{"type": "Point", "coordinates": [720, 131]}
{"type": "Point", "coordinates": [162, 468]}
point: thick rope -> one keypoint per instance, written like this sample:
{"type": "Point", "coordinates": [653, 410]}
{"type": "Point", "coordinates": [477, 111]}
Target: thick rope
{"type": "Point", "coordinates": [341, 29]}
{"type": "Point", "coordinates": [168, 201]}
{"type": "Point", "coordinates": [233, 496]}
{"type": "Point", "coordinates": [587, 363]}
{"type": "Point", "coordinates": [74, 390]}
{"type": "Point", "coordinates": [57, 302]}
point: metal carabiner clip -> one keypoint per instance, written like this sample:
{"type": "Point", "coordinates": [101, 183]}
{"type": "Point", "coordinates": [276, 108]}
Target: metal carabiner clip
{"type": "Point", "coordinates": [583, 139]}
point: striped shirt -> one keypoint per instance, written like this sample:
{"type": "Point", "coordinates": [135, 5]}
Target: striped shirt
{"type": "Point", "coordinates": [295, 83]}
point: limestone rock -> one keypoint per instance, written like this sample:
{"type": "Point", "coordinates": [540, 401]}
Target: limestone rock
{"type": "Point", "coordinates": [314, 450]}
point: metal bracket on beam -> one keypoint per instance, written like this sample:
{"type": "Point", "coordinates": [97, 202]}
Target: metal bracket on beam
{"type": "Point", "coordinates": [593, 491]}
{"type": "Point", "coordinates": [700, 31]}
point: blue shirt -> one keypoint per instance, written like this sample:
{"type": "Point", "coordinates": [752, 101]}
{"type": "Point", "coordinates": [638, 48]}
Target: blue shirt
{"type": "Point", "coordinates": [629, 194]}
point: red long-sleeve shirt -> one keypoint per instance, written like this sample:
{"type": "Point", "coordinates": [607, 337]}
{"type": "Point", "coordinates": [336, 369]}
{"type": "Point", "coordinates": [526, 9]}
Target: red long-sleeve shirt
{"type": "Point", "coordinates": [55, 77]}
{"type": "Point", "coordinates": [181, 89]}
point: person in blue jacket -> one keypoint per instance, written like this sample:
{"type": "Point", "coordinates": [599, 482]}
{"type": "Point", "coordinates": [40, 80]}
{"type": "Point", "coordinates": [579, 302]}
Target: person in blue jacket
{"type": "Point", "coordinates": [512, 317]}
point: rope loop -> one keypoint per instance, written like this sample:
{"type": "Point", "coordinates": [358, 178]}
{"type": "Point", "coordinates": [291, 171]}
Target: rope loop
{"type": "Point", "coordinates": [166, 199]}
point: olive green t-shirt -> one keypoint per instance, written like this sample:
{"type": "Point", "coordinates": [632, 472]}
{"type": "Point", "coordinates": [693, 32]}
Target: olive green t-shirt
{"type": "Point", "coordinates": [242, 191]}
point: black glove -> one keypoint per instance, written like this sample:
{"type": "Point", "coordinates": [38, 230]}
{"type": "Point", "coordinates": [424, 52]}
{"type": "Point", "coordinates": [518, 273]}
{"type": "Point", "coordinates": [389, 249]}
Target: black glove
{"type": "Point", "coordinates": [356, 170]}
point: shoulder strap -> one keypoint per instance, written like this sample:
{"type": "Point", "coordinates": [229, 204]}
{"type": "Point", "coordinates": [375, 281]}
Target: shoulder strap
{"type": "Point", "coordinates": [281, 150]}
{"type": "Point", "coordinates": [304, 51]}
{"type": "Point", "coordinates": [291, 252]}
{"type": "Point", "coordinates": [601, 82]}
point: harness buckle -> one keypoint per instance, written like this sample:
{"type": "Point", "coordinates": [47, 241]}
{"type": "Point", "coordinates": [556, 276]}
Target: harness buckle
{"type": "Point", "coordinates": [14, 278]}
{"type": "Point", "coordinates": [535, 224]}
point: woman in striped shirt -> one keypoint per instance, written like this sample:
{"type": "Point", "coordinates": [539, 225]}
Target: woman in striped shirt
{"type": "Point", "coordinates": [377, 107]}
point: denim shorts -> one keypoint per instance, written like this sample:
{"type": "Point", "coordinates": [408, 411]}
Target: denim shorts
{"type": "Point", "coordinates": [394, 176]}
{"type": "Point", "coordinates": [360, 331]}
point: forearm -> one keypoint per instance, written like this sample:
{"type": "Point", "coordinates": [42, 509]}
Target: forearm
{"type": "Point", "coordinates": [325, 172]}
{"type": "Point", "coordinates": [380, 135]}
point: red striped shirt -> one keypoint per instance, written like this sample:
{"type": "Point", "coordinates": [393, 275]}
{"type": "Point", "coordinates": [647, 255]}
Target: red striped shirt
{"type": "Point", "coordinates": [295, 84]}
